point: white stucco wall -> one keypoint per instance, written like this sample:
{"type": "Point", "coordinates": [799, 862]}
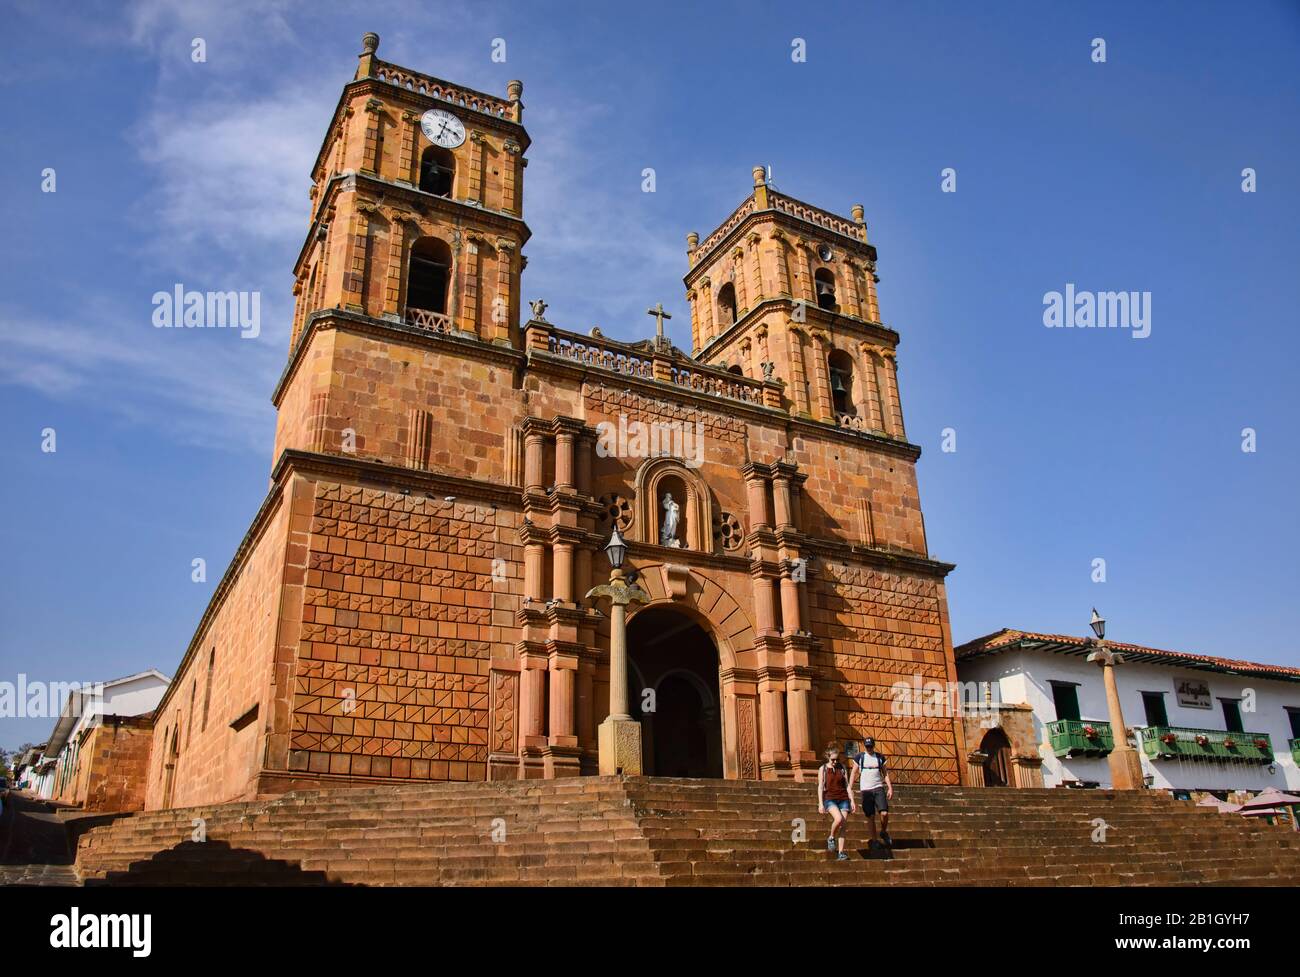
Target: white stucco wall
{"type": "Point", "coordinates": [134, 698]}
{"type": "Point", "coordinates": [1026, 676]}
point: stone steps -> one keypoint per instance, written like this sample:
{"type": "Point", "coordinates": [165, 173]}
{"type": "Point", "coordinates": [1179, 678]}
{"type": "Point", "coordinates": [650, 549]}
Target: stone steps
{"type": "Point", "coordinates": [654, 831]}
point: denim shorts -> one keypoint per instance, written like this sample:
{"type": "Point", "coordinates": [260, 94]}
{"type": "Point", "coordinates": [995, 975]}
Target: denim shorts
{"type": "Point", "coordinates": [842, 805]}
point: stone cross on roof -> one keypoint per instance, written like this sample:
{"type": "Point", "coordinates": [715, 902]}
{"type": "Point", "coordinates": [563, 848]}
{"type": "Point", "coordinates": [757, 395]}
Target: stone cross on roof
{"type": "Point", "coordinates": [660, 315]}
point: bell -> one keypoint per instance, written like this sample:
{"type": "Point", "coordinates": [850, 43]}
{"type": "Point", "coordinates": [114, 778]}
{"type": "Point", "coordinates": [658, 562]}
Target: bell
{"type": "Point", "coordinates": [837, 383]}
{"type": "Point", "coordinates": [826, 289]}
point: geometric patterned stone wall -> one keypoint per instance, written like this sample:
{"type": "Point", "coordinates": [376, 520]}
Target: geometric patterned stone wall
{"type": "Point", "coordinates": [401, 613]}
{"type": "Point", "coordinates": [881, 628]}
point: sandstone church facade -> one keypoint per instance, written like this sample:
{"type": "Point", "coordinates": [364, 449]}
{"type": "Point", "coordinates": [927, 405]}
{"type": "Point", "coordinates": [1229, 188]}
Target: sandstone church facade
{"type": "Point", "coordinates": [408, 603]}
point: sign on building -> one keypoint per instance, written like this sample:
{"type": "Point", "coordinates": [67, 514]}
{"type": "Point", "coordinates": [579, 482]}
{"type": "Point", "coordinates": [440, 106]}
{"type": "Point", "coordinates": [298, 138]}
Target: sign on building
{"type": "Point", "coordinates": [1193, 693]}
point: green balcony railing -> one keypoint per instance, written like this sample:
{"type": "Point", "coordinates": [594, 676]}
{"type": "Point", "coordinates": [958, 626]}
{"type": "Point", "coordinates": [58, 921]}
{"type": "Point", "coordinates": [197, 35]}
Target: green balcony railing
{"type": "Point", "coordinates": [1182, 742]}
{"type": "Point", "coordinates": [1295, 750]}
{"type": "Point", "coordinates": [1069, 737]}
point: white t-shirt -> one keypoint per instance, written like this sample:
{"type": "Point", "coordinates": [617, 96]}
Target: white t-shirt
{"type": "Point", "coordinates": [871, 770]}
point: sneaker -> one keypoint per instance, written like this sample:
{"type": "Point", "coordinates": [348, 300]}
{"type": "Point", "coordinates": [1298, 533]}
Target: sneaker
{"type": "Point", "coordinates": [842, 857]}
{"type": "Point", "coordinates": [830, 844]}
{"type": "Point", "coordinates": [886, 840]}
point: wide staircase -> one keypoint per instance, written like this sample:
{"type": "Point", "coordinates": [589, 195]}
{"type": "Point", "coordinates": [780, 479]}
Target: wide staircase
{"type": "Point", "coordinates": [651, 831]}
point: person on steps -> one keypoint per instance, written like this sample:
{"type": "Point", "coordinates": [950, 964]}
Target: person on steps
{"type": "Point", "coordinates": [835, 799]}
{"type": "Point", "coordinates": [872, 777]}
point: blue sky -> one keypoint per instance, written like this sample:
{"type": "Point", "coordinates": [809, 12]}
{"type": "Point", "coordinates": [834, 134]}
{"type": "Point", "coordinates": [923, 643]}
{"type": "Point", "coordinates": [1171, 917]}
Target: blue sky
{"type": "Point", "coordinates": [1072, 445]}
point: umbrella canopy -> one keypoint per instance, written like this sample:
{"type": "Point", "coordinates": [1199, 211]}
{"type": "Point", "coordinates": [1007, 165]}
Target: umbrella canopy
{"type": "Point", "coordinates": [1270, 798]}
{"type": "Point", "coordinates": [1260, 812]}
{"type": "Point", "coordinates": [1223, 807]}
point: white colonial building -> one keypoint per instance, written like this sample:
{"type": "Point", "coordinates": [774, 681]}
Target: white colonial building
{"type": "Point", "coordinates": [1199, 723]}
{"type": "Point", "coordinates": [132, 695]}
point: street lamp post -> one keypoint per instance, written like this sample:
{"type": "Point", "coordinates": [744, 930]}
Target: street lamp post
{"type": "Point", "coordinates": [619, 736]}
{"type": "Point", "coordinates": [1125, 765]}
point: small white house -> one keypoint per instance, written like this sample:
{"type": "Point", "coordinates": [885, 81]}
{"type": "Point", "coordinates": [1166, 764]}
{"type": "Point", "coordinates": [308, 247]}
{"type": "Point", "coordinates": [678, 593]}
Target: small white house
{"type": "Point", "coordinates": [131, 695]}
{"type": "Point", "coordinates": [1199, 723]}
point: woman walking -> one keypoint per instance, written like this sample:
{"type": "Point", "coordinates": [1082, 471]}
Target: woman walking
{"type": "Point", "coordinates": [833, 798]}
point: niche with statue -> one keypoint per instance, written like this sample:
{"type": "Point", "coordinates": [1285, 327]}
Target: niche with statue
{"type": "Point", "coordinates": [675, 508]}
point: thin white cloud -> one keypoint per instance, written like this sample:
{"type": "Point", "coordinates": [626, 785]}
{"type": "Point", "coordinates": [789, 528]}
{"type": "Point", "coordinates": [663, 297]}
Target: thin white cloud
{"type": "Point", "coordinates": [204, 387]}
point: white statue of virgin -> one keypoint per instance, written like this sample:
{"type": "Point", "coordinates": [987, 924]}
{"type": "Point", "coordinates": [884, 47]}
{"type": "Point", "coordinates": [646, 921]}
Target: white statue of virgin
{"type": "Point", "coordinates": [672, 515]}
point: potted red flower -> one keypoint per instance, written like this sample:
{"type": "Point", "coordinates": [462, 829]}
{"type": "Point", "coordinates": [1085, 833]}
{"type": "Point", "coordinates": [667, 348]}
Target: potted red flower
{"type": "Point", "coordinates": [1202, 739]}
{"type": "Point", "coordinates": [1169, 739]}
{"type": "Point", "coordinates": [1261, 743]}
{"type": "Point", "coordinates": [1090, 732]}
{"type": "Point", "coordinates": [1229, 742]}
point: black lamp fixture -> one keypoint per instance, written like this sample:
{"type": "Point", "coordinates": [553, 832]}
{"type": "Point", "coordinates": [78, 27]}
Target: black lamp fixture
{"type": "Point", "coordinates": [616, 550]}
{"type": "Point", "coordinates": [1098, 625]}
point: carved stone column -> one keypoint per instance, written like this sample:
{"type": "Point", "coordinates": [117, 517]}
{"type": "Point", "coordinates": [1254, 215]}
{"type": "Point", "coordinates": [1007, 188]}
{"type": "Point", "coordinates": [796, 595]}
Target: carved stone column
{"type": "Point", "coordinates": [821, 378]}
{"type": "Point", "coordinates": [756, 495]}
{"type": "Point", "coordinates": [876, 410]}
{"type": "Point", "coordinates": [742, 293]}
{"type": "Point", "coordinates": [354, 279]}
{"type": "Point", "coordinates": [407, 171]}
{"type": "Point", "coordinates": [781, 250]}
{"type": "Point", "coordinates": [564, 470]}
{"type": "Point", "coordinates": [562, 671]}
{"type": "Point", "coordinates": [790, 617]}
{"type": "Point", "coordinates": [798, 373]}
{"type": "Point", "coordinates": [757, 291]}
{"type": "Point", "coordinates": [893, 402]}
{"type": "Point", "coordinates": [534, 571]}
{"type": "Point", "coordinates": [853, 294]}
{"type": "Point", "coordinates": [781, 498]}
{"type": "Point", "coordinates": [873, 305]}
{"type": "Point", "coordinates": [562, 554]}
{"type": "Point", "coordinates": [771, 701]}
{"type": "Point", "coordinates": [370, 160]}
{"type": "Point", "coordinates": [475, 192]}
{"type": "Point", "coordinates": [706, 302]}
{"type": "Point", "coordinates": [469, 317]}
{"type": "Point", "coordinates": [799, 700]}
{"type": "Point", "coordinates": [534, 453]}
{"type": "Point", "coordinates": [504, 300]}
{"type": "Point", "coordinates": [765, 604]}
{"type": "Point", "coordinates": [510, 202]}
{"type": "Point", "coordinates": [396, 256]}
{"type": "Point", "coordinates": [532, 712]}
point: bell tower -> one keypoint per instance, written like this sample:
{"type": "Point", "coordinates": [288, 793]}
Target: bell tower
{"type": "Point", "coordinates": [411, 266]}
{"type": "Point", "coordinates": [786, 290]}
{"type": "Point", "coordinates": [417, 206]}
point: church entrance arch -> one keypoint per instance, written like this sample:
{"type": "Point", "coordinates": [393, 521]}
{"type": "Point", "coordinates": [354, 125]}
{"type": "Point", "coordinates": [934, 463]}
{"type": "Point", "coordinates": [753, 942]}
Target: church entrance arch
{"type": "Point", "coordinates": [673, 690]}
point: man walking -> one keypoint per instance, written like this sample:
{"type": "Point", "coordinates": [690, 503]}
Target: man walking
{"type": "Point", "coordinates": [872, 776]}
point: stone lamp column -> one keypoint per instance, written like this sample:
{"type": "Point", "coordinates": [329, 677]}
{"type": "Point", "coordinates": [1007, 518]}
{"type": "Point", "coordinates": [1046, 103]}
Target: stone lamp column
{"type": "Point", "coordinates": [619, 736]}
{"type": "Point", "coordinates": [1125, 765]}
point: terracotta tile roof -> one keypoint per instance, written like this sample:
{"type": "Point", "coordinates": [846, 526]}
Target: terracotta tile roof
{"type": "Point", "coordinates": [1009, 638]}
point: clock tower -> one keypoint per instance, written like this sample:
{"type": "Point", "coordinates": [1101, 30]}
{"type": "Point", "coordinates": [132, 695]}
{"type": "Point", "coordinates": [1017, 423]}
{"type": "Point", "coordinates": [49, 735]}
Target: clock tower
{"type": "Point", "coordinates": [416, 200]}
{"type": "Point", "coordinates": [416, 231]}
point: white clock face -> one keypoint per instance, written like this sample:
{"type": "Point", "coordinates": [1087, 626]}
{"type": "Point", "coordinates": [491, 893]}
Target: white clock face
{"type": "Point", "coordinates": [442, 128]}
